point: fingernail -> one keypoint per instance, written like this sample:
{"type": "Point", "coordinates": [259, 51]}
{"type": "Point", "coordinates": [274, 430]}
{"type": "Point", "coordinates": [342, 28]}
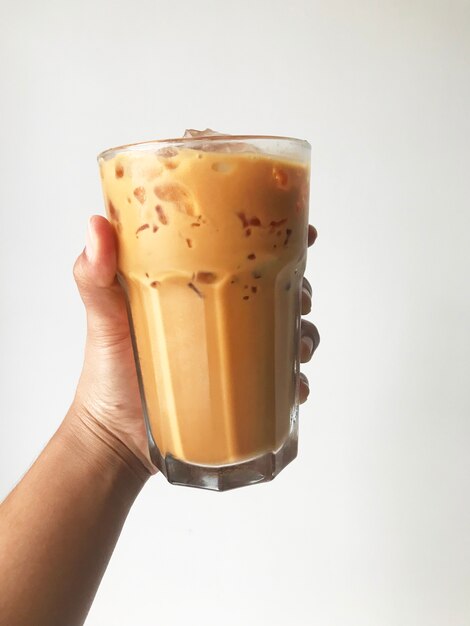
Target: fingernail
{"type": "Point", "coordinates": [89, 247]}
{"type": "Point", "coordinates": [308, 343]}
{"type": "Point", "coordinates": [307, 286]}
{"type": "Point", "coordinates": [307, 300]}
{"type": "Point", "coordinates": [304, 379]}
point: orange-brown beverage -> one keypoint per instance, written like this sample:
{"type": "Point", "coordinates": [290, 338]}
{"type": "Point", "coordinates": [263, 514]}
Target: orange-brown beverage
{"type": "Point", "coordinates": [212, 241]}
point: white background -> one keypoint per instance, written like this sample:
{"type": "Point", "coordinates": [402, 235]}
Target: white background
{"type": "Point", "coordinates": [371, 524]}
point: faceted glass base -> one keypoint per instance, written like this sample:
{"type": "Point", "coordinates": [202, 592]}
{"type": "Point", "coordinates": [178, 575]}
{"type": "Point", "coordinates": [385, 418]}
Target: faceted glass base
{"type": "Point", "coordinates": [223, 477]}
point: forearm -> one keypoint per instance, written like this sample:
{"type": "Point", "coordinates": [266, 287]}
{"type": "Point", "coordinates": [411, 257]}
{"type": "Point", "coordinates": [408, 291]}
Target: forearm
{"type": "Point", "coordinates": [59, 526]}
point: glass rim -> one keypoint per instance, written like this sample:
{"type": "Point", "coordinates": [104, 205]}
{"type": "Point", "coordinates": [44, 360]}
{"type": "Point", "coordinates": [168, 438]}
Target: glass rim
{"type": "Point", "coordinates": [142, 145]}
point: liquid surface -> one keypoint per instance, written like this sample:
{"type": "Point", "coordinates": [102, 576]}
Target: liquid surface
{"type": "Point", "coordinates": [212, 248]}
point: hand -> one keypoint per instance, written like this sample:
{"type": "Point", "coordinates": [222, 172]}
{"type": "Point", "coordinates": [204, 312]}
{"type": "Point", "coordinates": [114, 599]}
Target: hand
{"type": "Point", "coordinates": [310, 336]}
{"type": "Point", "coordinates": [107, 400]}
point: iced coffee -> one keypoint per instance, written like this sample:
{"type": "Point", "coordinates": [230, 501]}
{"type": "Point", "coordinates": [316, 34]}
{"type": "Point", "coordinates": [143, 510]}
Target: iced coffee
{"type": "Point", "coordinates": [212, 239]}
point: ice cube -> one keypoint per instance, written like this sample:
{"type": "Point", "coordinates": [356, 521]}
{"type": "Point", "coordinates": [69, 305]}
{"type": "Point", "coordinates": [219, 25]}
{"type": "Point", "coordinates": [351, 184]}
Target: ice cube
{"type": "Point", "coordinates": [178, 195]}
{"type": "Point", "coordinates": [216, 146]}
{"type": "Point", "coordinates": [192, 132]}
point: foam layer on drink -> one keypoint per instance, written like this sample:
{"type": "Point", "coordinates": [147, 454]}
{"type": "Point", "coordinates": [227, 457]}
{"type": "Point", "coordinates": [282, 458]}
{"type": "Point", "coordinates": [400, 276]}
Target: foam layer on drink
{"type": "Point", "coordinates": [212, 249]}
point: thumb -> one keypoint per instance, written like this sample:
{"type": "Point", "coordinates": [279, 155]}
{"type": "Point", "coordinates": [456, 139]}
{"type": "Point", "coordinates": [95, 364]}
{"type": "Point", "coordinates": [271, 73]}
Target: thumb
{"type": "Point", "coordinates": [95, 274]}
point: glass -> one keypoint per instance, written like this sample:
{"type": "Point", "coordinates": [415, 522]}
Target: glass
{"type": "Point", "coordinates": [212, 245]}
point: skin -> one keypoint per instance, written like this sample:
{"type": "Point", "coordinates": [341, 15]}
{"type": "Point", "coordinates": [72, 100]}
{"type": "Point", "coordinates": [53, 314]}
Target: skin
{"type": "Point", "coordinates": [59, 526]}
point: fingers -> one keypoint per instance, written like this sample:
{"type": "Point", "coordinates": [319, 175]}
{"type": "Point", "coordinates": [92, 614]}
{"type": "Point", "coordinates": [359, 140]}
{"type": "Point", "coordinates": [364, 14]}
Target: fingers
{"type": "Point", "coordinates": [312, 235]}
{"type": "Point", "coordinates": [304, 389]}
{"type": "Point", "coordinates": [306, 302]}
{"type": "Point", "coordinates": [307, 286]}
{"type": "Point", "coordinates": [97, 266]}
{"type": "Point", "coordinates": [306, 305]}
{"type": "Point", "coordinates": [95, 275]}
{"type": "Point", "coordinates": [310, 339]}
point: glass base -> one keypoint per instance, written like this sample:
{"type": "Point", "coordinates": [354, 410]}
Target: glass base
{"type": "Point", "coordinates": [223, 477]}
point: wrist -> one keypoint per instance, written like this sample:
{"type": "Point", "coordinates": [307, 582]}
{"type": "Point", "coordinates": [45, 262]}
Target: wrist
{"type": "Point", "coordinates": [96, 446]}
